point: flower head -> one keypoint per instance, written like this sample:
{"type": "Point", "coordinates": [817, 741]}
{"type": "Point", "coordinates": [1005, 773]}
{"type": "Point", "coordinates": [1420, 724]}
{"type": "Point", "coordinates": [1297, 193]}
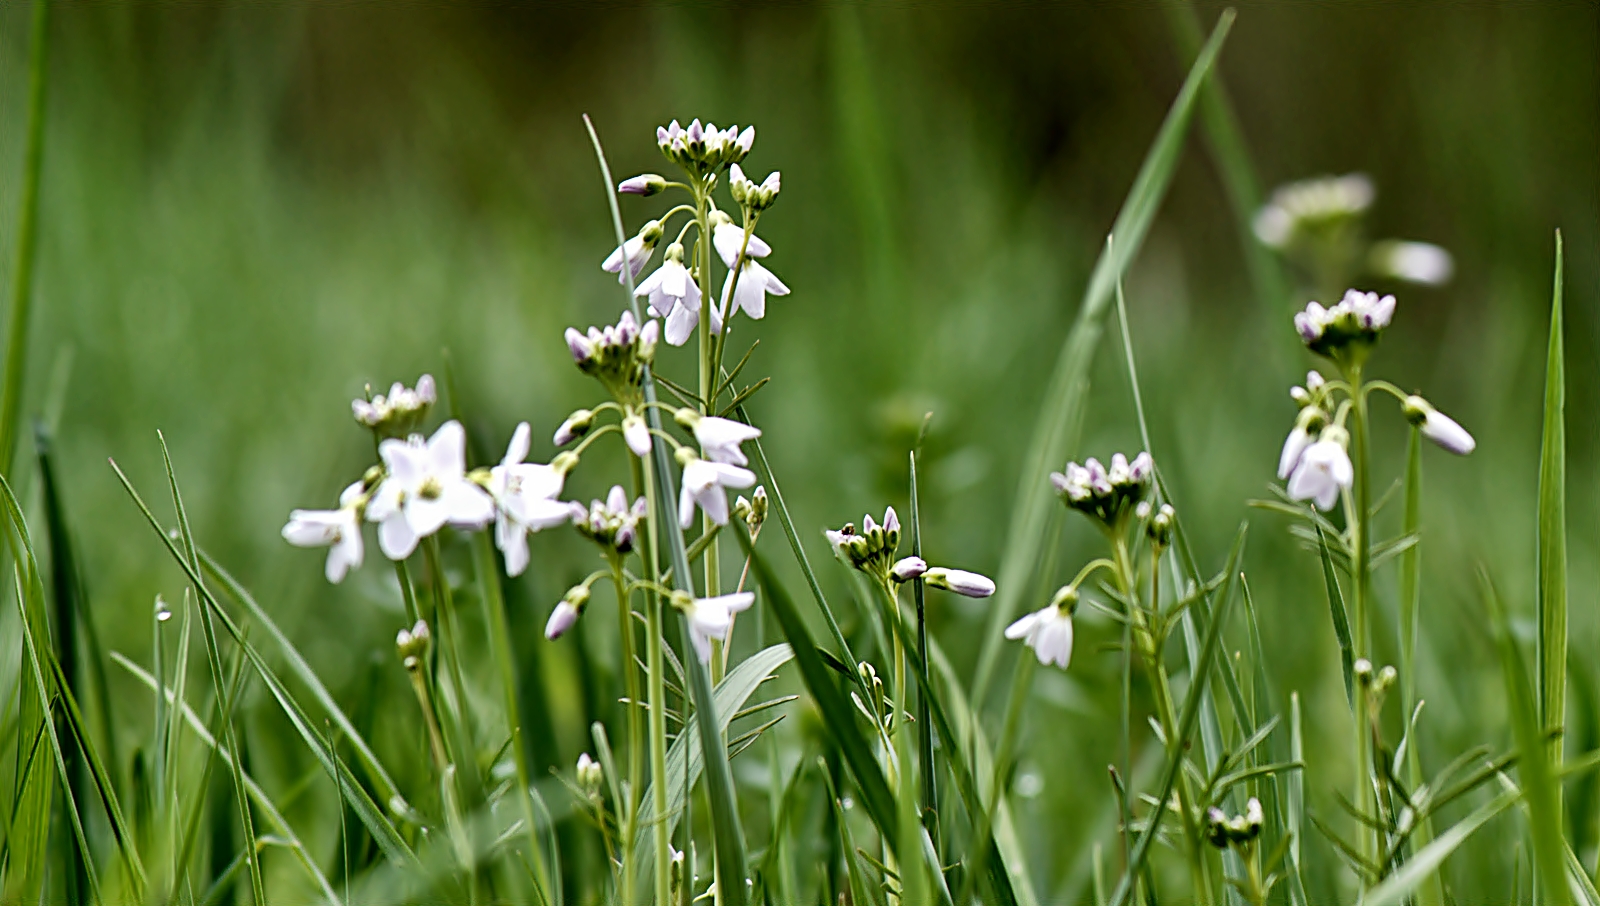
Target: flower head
{"type": "Point", "coordinates": [871, 551]}
{"type": "Point", "coordinates": [397, 412]}
{"type": "Point", "coordinates": [1324, 469]}
{"type": "Point", "coordinates": [338, 530]}
{"type": "Point", "coordinates": [1048, 631]}
{"type": "Point", "coordinates": [1312, 206]}
{"type": "Point", "coordinates": [1106, 495]}
{"type": "Point", "coordinates": [704, 149]}
{"type": "Point", "coordinates": [635, 251]}
{"type": "Point", "coordinates": [1438, 427]}
{"type": "Point", "coordinates": [616, 355]}
{"type": "Point", "coordinates": [1347, 330]}
{"type": "Point", "coordinates": [524, 499]}
{"type": "Point", "coordinates": [612, 523]}
{"type": "Point", "coordinates": [711, 618]}
{"type": "Point", "coordinates": [424, 488]}
{"type": "Point", "coordinates": [703, 484]}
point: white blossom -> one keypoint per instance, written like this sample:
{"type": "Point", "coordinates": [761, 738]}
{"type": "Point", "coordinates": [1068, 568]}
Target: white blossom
{"type": "Point", "coordinates": [1323, 471]}
{"type": "Point", "coordinates": [673, 294]}
{"type": "Point", "coordinates": [755, 282]}
{"type": "Point", "coordinates": [426, 487]}
{"type": "Point", "coordinates": [703, 483]}
{"type": "Point", "coordinates": [711, 618]}
{"type": "Point", "coordinates": [636, 251]}
{"type": "Point", "coordinates": [719, 439]}
{"type": "Point", "coordinates": [1048, 632]}
{"type": "Point", "coordinates": [525, 500]}
{"type": "Point", "coordinates": [636, 434]}
{"type": "Point", "coordinates": [338, 530]}
{"type": "Point", "coordinates": [1293, 446]}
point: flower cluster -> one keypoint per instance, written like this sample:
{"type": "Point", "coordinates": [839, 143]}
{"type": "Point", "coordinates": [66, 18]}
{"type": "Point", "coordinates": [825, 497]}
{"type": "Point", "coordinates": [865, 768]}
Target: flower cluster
{"type": "Point", "coordinates": [704, 149]}
{"type": "Point", "coordinates": [1107, 495]}
{"type": "Point", "coordinates": [397, 412]}
{"type": "Point", "coordinates": [612, 523]}
{"type": "Point", "coordinates": [1237, 831]}
{"type": "Point", "coordinates": [872, 552]}
{"type": "Point", "coordinates": [616, 354]}
{"type": "Point", "coordinates": [1348, 329]}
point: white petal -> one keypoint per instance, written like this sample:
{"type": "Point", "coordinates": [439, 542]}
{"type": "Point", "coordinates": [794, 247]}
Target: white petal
{"type": "Point", "coordinates": [517, 450]}
{"type": "Point", "coordinates": [466, 505]}
{"type": "Point", "coordinates": [617, 499]}
{"type": "Point", "coordinates": [351, 494]}
{"type": "Point", "coordinates": [1023, 626]}
{"type": "Point", "coordinates": [425, 515]}
{"type": "Point", "coordinates": [447, 450]}
{"type": "Point", "coordinates": [515, 547]}
{"type": "Point", "coordinates": [714, 503]}
{"type": "Point", "coordinates": [732, 476]}
{"type": "Point", "coordinates": [396, 538]}
{"type": "Point", "coordinates": [346, 554]}
{"type": "Point", "coordinates": [685, 505]}
{"type": "Point", "coordinates": [312, 528]}
{"type": "Point", "coordinates": [542, 514]}
{"type": "Point", "coordinates": [680, 325]}
{"type": "Point", "coordinates": [1294, 445]}
{"type": "Point", "coordinates": [637, 435]}
{"type": "Point", "coordinates": [404, 460]}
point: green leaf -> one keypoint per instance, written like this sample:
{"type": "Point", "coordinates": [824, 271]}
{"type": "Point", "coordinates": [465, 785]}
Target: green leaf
{"type": "Point", "coordinates": [1538, 784]}
{"type": "Point", "coordinates": [734, 690]}
{"type": "Point", "coordinates": [1551, 650]}
{"type": "Point", "coordinates": [1064, 397]}
{"type": "Point", "coordinates": [1425, 862]}
{"type": "Point", "coordinates": [1341, 619]}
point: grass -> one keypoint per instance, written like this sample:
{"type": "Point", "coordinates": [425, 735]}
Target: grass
{"type": "Point", "coordinates": [222, 223]}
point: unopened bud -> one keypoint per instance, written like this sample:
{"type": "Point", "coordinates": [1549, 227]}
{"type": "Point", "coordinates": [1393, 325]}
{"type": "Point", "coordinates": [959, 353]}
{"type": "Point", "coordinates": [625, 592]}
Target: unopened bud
{"type": "Point", "coordinates": [960, 581]}
{"type": "Point", "coordinates": [564, 462]}
{"type": "Point", "coordinates": [1363, 671]}
{"type": "Point", "coordinates": [567, 612]}
{"type": "Point", "coordinates": [644, 184]}
{"type": "Point", "coordinates": [1160, 528]}
{"type": "Point", "coordinates": [411, 644]}
{"type": "Point", "coordinates": [576, 426]}
{"type": "Point", "coordinates": [908, 568]}
{"type": "Point", "coordinates": [590, 775]}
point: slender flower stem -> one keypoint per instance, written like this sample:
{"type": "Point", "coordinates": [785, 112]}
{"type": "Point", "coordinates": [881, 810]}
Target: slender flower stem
{"type": "Point", "coordinates": [630, 671]}
{"type": "Point", "coordinates": [655, 667]}
{"type": "Point", "coordinates": [1360, 543]}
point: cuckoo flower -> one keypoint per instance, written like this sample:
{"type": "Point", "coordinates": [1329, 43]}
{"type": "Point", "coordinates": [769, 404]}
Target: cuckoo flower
{"type": "Point", "coordinates": [711, 618]}
{"type": "Point", "coordinates": [425, 487]}
{"type": "Point", "coordinates": [673, 295]}
{"type": "Point", "coordinates": [1324, 470]}
{"type": "Point", "coordinates": [703, 483]}
{"type": "Point", "coordinates": [1049, 631]}
{"type": "Point", "coordinates": [1438, 427]}
{"type": "Point", "coordinates": [525, 499]}
{"type": "Point", "coordinates": [636, 252]}
{"type": "Point", "coordinates": [755, 282]}
{"type": "Point", "coordinates": [338, 530]}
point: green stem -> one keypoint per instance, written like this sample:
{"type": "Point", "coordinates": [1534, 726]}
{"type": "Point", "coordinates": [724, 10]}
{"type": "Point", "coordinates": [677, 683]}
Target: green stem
{"type": "Point", "coordinates": [1360, 542]}
{"type": "Point", "coordinates": [630, 671]}
{"type": "Point", "coordinates": [27, 241]}
{"type": "Point", "coordinates": [655, 667]}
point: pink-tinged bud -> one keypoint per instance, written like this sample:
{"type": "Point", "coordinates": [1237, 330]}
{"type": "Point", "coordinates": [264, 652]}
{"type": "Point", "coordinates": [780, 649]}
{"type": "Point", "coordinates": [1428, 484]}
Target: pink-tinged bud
{"type": "Point", "coordinates": [891, 520]}
{"type": "Point", "coordinates": [637, 435]}
{"type": "Point", "coordinates": [909, 568]}
{"type": "Point", "coordinates": [582, 347]}
{"type": "Point", "coordinates": [561, 620]}
{"type": "Point", "coordinates": [644, 184]}
{"type": "Point", "coordinates": [960, 581]}
{"type": "Point", "coordinates": [426, 392]}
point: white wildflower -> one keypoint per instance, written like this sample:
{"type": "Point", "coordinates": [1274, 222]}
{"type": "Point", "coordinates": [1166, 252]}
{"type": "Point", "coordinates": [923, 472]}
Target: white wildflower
{"type": "Point", "coordinates": [703, 483]}
{"type": "Point", "coordinates": [711, 618]}
{"type": "Point", "coordinates": [426, 487]}
{"type": "Point", "coordinates": [525, 500]}
{"type": "Point", "coordinates": [1323, 471]}
{"type": "Point", "coordinates": [338, 530]}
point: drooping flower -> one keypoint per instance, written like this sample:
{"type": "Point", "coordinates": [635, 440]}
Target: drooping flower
{"type": "Point", "coordinates": [973, 585]}
{"type": "Point", "coordinates": [673, 295]}
{"type": "Point", "coordinates": [1324, 470]}
{"type": "Point", "coordinates": [703, 484]}
{"type": "Point", "coordinates": [338, 530]}
{"type": "Point", "coordinates": [525, 500]}
{"type": "Point", "coordinates": [755, 282]}
{"type": "Point", "coordinates": [1048, 631]}
{"type": "Point", "coordinates": [719, 438]}
{"type": "Point", "coordinates": [1438, 427]}
{"type": "Point", "coordinates": [711, 618]}
{"type": "Point", "coordinates": [425, 488]}
{"type": "Point", "coordinates": [635, 251]}
{"type": "Point", "coordinates": [1306, 427]}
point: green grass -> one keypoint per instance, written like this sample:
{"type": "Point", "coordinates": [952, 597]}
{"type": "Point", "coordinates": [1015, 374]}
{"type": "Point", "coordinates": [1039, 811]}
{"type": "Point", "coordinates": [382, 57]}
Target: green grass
{"type": "Point", "coordinates": [221, 222]}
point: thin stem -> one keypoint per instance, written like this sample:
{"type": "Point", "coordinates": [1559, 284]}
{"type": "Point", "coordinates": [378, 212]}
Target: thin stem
{"type": "Point", "coordinates": [429, 719]}
{"type": "Point", "coordinates": [630, 671]}
{"type": "Point", "coordinates": [655, 666]}
{"type": "Point", "coordinates": [1360, 531]}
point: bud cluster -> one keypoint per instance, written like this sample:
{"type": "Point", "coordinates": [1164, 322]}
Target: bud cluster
{"type": "Point", "coordinates": [1240, 830]}
{"type": "Point", "coordinates": [412, 644]}
{"type": "Point", "coordinates": [399, 412]}
{"type": "Point", "coordinates": [753, 510]}
{"type": "Point", "coordinates": [1349, 328]}
{"type": "Point", "coordinates": [752, 195]}
{"type": "Point", "coordinates": [590, 776]}
{"type": "Point", "coordinates": [1158, 523]}
{"type": "Point", "coordinates": [704, 149]}
{"type": "Point", "coordinates": [872, 550]}
{"type": "Point", "coordinates": [1106, 495]}
{"type": "Point", "coordinates": [617, 354]}
{"type": "Point", "coordinates": [612, 523]}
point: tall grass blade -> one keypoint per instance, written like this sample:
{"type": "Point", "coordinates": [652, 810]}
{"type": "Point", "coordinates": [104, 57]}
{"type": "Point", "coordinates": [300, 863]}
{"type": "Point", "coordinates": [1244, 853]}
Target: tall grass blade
{"type": "Point", "coordinates": [1341, 618]}
{"type": "Point", "coordinates": [1551, 650]}
{"type": "Point", "coordinates": [1425, 862]}
{"type": "Point", "coordinates": [930, 782]}
{"type": "Point", "coordinates": [1048, 446]}
{"type": "Point", "coordinates": [1538, 782]}
{"type": "Point", "coordinates": [16, 361]}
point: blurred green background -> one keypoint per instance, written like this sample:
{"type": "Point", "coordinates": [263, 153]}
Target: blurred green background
{"type": "Point", "coordinates": [249, 211]}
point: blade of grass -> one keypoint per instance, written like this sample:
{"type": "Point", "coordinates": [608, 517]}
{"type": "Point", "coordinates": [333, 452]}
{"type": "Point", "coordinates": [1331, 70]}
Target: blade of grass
{"type": "Point", "coordinates": [1425, 862]}
{"type": "Point", "coordinates": [1551, 650]}
{"type": "Point", "coordinates": [1341, 619]}
{"type": "Point", "coordinates": [1538, 784]}
{"type": "Point", "coordinates": [16, 362]}
{"type": "Point", "coordinates": [269, 809]}
{"type": "Point", "coordinates": [727, 831]}
{"type": "Point", "coordinates": [1048, 446]}
{"type": "Point", "coordinates": [930, 783]}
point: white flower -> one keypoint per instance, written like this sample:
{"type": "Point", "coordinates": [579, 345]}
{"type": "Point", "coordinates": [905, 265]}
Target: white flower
{"type": "Point", "coordinates": [636, 434]}
{"type": "Point", "coordinates": [960, 581]}
{"type": "Point", "coordinates": [1293, 446]}
{"type": "Point", "coordinates": [703, 481]}
{"type": "Point", "coordinates": [1414, 262]}
{"type": "Point", "coordinates": [338, 530]}
{"type": "Point", "coordinates": [1358, 313]}
{"type": "Point", "coordinates": [525, 500]}
{"type": "Point", "coordinates": [425, 488]}
{"type": "Point", "coordinates": [710, 618]}
{"type": "Point", "coordinates": [673, 295]}
{"type": "Point", "coordinates": [755, 281]}
{"type": "Point", "coordinates": [636, 251]}
{"type": "Point", "coordinates": [561, 619]}
{"type": "Point", "coordinates": [1324, 470]}
{"type": "Point", "coordinates": [1048, 632]}
{"type": "Point", "coordinates": [719, 439]}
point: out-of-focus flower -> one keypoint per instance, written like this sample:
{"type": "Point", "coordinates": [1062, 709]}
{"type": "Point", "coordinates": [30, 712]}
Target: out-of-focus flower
{"type": "Point", "coordinates": [1310, 205]}
{"type": "Point", "coordinates": [1105, 495]}
{"type": "Point", "coordinates": [398, 410]}
{"type": "Point", "coordinates": [1048, 631]}
{"type": "Point", "coordinates": [1413, 262]}
{"type": "Point", "coordinates": [338, 530]}
{"type": "Point", "coordinates": [960, 581]}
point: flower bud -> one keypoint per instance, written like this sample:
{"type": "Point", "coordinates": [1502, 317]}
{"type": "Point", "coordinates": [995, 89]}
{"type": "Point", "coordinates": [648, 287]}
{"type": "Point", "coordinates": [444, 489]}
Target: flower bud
{"type": "Point", "coordinates": [686, 417]}
{"type": "Point", "coordinates": [411, 644]}
{"type": "Point", "coordinates": [1438, 427]}
{"type": "Point", "coordinates": [590, 775]}
{"type": "Point", "coordinates": [636, 434]}
{"type": "Point", "coordinates": [891, 529]}
{"type": "Point", "coordinates": [581, 346]}
{"type": "Point", "coordinates": [908, 568]}
{"type": "Point", "coordinates": [576, 426]}
{"type": "Point", "coordinates": [1363, 671]}
{"type": "Point", "coordinates": [758, 508]}
{"type": "Point", "coordinates": [960, 581]}
{"type": "Point", "coordinates": [1160, 527]}
{"type": "Point", "coordinates": [645, 184]}
{"type": "Point", "coordinates": [564, 462]}
{"type": "Point", "coordinates": [567, 612]}
{"type": "Point", "coordinates": [1301, 397]}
